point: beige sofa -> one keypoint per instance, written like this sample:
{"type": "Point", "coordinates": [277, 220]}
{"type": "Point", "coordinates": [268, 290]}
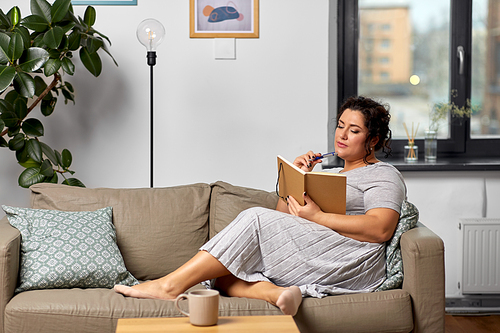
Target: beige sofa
{"type": "Point", "coordinates": [159, 229]}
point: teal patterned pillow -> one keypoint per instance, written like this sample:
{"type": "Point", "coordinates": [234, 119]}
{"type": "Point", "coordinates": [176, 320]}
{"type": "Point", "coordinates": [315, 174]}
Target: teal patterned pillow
{"type": "Point", "coordinates": [68, 249]}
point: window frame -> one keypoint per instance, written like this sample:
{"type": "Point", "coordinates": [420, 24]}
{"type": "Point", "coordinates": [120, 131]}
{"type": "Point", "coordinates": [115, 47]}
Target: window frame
{"type": "Point", "coordinates": [459, 145]}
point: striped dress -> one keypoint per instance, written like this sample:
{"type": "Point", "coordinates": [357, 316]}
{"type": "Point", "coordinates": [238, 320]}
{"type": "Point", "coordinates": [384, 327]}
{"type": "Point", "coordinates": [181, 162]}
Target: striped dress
{"type": "Point", "coordinates": [266, 245]}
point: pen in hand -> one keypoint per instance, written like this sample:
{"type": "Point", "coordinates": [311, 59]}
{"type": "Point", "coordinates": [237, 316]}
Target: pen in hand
{"type": "Point", "coordinates": [322, 156]}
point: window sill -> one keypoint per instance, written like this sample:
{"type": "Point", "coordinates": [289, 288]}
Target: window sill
{"type": "Point", "coordinates": [442, 164]}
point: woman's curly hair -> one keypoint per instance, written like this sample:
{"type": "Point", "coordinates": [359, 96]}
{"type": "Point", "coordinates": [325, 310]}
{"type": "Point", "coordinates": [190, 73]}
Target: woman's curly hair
{"type": "Point", "coordinates": [377, 119]}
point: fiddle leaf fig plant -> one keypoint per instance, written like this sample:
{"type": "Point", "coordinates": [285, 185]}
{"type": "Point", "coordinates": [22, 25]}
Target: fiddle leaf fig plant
{"type": "Point", "coordinates": [36, 52]}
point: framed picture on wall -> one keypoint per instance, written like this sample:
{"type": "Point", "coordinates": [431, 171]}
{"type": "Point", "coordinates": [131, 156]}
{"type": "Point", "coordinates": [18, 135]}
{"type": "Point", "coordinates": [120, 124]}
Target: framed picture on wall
{"type": "Point", "coordinates": [104, 2]}
{"type": "Point", "coordinates": [224, 19]}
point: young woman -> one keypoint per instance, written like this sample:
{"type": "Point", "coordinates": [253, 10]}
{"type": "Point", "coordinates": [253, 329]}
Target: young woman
{"type": "Point", "coordinates": [294, 251]}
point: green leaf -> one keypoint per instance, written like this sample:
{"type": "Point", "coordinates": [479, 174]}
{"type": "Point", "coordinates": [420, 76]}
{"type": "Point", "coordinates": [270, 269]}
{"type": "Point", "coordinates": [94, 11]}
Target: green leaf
{"type": "Point", "coordinates": [70, 87]}
{"type": "Point", "coordinates": [73, 182]}
{"type": "Point", "coordinates": [3, 143]}
{"type": "Point", "coordinates": [49, 152]}
{"type": "Point", "coordinates": [40, 85]}
{"type": "Point", "coordinates": [68, 66]}
{"type": "Point", "coordinates": [74, 41]}
{"type": "Point", "coordinates": [35, 22]}
{"type": "Point", "coordinates": [105, 48]}
{"type": "Point", "coordinates": [25, 34]}
{"type": "Point", "coordinates": [32, 127]}
{"type": "Point", "coordinates": [103, 36]}
{"type": "Point", "coordinates": [7, 75]}
{"type": "Point", "coordinates": [46, 169]}
{"type": "Point", "coordinates": [9, 118]}
{"type": "Point", "coordinates": [20, 108]}
{"type": "Point", "coordinates": [54, 179]}
{"type": "Point", "coordinates": [59, 10]}
{"type": "Point", "coordinates": [22, 155]}
{"type": "Point", "coordinates": [5, 106]}
{"type": "Point", "coordinates": [34, 150]}
{"type": "Point", "coordinates": [30, 177]}
{"type": "Point", "coordinates": [13, 130]}
{"type": "Point", "coordinates": [4, 20]}
{"type": "Point", "coordinates": [53, 37]}
{"type": "Point", "coordinates": [16, 47]}
{"type": "Point", "coordinates": [58, 157]}
{"type": "Point", "coordinates": [51, 67]}
{"type": "Point", "coordinates": [94, 44]}
{"type": "Point", "coordinates": [68, 27]}
{"type": "Point", "coordinates": [24, 85]}
{"type": "Point", "coordinates": [29, 163]}
{"type": "Point", "coordinates": [66, 158]}
{"type": "Point", "coordinates": [15, 15]}
{"type": "Point", "coordinates": [90, 16]}
{"type": "Point", "coordinates": [91, 61]}
{"type": "Point", "coordinates": [12, 96]}
{"type": "Point", "coordinates": [2, 125]}
{"type": "Point", "coordinates": [4, 47]}
{"type": "Point", "coordinates": [17, 142]}
{"type": "Point", "coordinates": [47, 106]}
{"type": "Point", "coordinates": [35, 58]}
{"type": "Point", "coordinates": [68, 96]}
{"type": "Point", "coordinates": [38, 41]}
{"type": "Point", "coordinates": [41, 8]}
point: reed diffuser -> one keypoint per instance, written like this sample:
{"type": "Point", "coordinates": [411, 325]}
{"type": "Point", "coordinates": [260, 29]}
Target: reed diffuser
{"type": "Point", "coordinates": [411, 150]}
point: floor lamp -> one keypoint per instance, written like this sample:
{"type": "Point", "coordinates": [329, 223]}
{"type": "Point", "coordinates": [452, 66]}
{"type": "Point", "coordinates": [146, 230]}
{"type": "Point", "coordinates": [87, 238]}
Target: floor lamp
{"type": "Point", "coordinates": [150, 33]}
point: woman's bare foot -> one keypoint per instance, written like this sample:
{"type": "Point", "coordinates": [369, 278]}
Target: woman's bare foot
{"type": "Point", "coordinates": [131, 292]}
{"type": "Point", "coordinates": [290, 300]}
{"type": "Point", "coordinates": [150, 290]}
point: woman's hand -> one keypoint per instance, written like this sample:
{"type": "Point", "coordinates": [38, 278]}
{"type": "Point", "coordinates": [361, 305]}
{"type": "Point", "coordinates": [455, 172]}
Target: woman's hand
{"type": "Point", "coordinates": [310, 211]}
{"type": "Point", "coordinates": [305, 163]}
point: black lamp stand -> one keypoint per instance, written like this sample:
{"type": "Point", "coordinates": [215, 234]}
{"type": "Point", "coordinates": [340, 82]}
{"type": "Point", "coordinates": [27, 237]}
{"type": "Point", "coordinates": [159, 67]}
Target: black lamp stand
{"type": "Point", "coordinates": [151, 62]}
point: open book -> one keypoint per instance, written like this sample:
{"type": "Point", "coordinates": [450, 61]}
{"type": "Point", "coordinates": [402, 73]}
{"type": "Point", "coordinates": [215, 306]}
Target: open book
{"type": "Point", "coordinates": [326, 189]}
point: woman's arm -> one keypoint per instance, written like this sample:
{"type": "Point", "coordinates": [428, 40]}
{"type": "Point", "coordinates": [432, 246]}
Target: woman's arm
{"type": "Point", "coordinates": [376, 226]}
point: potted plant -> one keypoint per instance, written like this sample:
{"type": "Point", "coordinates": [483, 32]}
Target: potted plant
{"type": "Point", "coordinates": [35, 52]}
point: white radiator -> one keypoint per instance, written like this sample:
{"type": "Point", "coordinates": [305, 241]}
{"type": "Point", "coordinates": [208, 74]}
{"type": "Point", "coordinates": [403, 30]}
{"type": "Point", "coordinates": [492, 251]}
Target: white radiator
{"type": "Point", "coordinates": [481, 256]}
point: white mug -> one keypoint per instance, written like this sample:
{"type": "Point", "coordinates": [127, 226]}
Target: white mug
{"type": "Point", "coordinates": [203, 306]}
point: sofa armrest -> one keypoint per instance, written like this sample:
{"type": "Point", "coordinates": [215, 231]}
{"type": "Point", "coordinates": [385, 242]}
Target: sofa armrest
{"type": "Point", "coordinates": [423, 264]}
{"type": "Point", "coordinates": [10, 244]}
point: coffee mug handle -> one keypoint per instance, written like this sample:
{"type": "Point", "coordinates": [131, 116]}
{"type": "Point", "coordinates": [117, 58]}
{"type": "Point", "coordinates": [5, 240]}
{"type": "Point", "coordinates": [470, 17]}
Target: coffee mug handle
{"type": "Point", "coordinates": [181, 296]}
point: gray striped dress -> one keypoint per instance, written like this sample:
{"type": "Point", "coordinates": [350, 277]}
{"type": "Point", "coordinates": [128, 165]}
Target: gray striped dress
{"type": "Point", "coordinates": [266, 245]}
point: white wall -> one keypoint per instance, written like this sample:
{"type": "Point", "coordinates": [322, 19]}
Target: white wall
{"type": "Point", "coordinates": [443, 198]}
{"type": "Point", "coordinates": [220, 119]}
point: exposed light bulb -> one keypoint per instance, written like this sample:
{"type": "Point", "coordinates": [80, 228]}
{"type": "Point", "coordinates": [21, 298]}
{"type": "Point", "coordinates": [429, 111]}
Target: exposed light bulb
{"type": "Point", "coordinates": [150, 33]}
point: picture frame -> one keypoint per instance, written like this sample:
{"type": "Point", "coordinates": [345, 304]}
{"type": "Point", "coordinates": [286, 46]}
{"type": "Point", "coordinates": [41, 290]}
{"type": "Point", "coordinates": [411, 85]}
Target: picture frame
{"type": "Point", "coordinates": [224, 19]}
{"type": "Point", "coordinates": [104, 2]}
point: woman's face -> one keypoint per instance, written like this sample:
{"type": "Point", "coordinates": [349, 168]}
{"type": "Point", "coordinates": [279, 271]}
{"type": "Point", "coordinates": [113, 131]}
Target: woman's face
{"type": "Point", "coordinates": [350, 136]}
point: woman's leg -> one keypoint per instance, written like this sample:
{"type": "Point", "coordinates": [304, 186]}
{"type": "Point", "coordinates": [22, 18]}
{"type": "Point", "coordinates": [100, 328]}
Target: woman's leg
{"type": "Point", "coordinates": [203, 266]}
{"type": "Point", "coordinates": [287, 299]}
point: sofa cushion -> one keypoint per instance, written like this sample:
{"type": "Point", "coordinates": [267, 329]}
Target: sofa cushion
{"type": "Point", "coordinates": [68, 249]}
{"type": "Point", "coordinates": [228, 201]}
{"type": "Point", "coordinates": [157, 229]}
{"type": "Point", "coordinates": [97, 310]}
{"type": "Point", "coordinates": [385, 311]}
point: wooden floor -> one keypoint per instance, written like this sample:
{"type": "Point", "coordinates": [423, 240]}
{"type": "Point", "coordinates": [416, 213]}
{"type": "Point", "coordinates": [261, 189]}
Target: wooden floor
{"type": "Point", "coordinates": [472, 324]}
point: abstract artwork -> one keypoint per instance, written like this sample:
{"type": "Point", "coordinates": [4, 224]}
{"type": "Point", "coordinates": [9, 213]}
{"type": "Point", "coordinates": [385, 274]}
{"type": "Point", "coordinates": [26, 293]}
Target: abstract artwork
{"type": "Point", "coordinates": [224, 19]}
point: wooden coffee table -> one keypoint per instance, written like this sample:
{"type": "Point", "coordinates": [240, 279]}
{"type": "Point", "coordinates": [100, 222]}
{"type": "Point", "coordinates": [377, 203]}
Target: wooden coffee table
{"type": "Point", "coordinates": [238, 324]}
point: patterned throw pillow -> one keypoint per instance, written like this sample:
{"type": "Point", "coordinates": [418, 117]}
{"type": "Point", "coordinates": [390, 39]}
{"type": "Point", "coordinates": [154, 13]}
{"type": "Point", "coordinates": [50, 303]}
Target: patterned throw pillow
{"type": "Point", "coordinates": [68, 249]}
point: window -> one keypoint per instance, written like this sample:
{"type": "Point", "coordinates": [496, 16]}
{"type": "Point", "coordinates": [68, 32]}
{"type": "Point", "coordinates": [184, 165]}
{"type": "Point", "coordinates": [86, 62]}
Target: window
{"type": "Point", "coordinates": [385, 44]}
{"type": "Point", "coordinates": [431, 51]}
